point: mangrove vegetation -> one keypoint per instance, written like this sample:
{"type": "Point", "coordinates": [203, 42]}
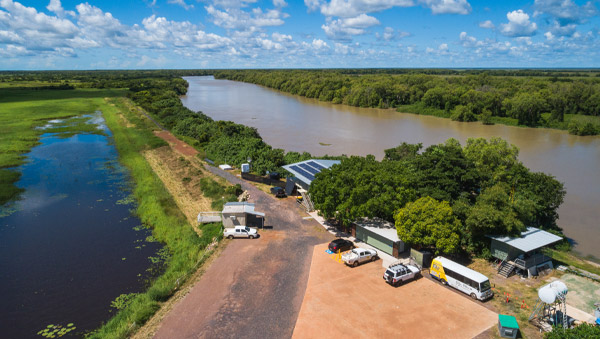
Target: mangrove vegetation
{"type": "Point", "coordinates": [567, 100]}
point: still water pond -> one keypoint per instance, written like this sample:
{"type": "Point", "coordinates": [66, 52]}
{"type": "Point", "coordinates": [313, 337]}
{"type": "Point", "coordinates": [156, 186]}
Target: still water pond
{"type": "Point", "coordinates": [71, 245]}
{"type": "Point", "coordinates": [299, 124]}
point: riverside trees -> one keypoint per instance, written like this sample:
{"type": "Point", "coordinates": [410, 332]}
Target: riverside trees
{"type": "Point", "coordinates": [531, 98]}
{"type": "Point", "coordinates": [457, 193]}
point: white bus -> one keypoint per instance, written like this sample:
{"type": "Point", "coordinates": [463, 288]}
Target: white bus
{"type": "Point", "coordinates": [462, 278]}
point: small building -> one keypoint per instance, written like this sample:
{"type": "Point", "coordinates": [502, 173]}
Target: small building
{"type": "Point", "coordinates": [241, 214]}
{"type": "Point", "coordinates": [524, 252]}
{"type": "Point", "coordinates": [380, 234]}
{"type": "Point", "coordinates": [303, 173]}
{"type": "Point", "coordinates": [508, 326]}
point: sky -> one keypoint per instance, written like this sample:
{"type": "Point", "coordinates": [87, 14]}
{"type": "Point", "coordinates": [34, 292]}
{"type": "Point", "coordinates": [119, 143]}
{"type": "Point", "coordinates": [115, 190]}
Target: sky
{"type": "Point", "coordinates": [200, 34]}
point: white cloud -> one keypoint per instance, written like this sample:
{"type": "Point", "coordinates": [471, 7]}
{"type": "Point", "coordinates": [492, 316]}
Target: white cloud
{"type": "Point", "coordinates": [236, 18]}
{"type": "Point", "coordinates": [549, 35]}
{"type": "Point", "coordinates": [181, 3]}
{"type": "Point", "coordinates": [518, 25]}
{"type": "Point", "coordinates": [353, 8]}
{"type": "Point", "coordinates": [281, 37]}
{"type": "Point", "coordinates": [566, 11]}
{"type": "Point", "coordinates": [389, 34]}
{"type": "Point", "coordinates": [346, 28]}
{"type": "Point", "coordinates": [447, 6]}
{"type": "Point", "coordinates": [56, 7]}
{"type": "Point", "coordinates": [279, 3]}
{"type": "Point", "coordinates": [487, 24]}
{"type": "Point", "coordinates": [319, 44]}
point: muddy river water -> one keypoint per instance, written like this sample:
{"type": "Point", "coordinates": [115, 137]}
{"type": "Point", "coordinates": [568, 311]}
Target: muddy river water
{"type": "Point", "coordinates": [298, 124]}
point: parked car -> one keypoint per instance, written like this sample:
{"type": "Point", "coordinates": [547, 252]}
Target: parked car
{"type": "Point", "coordinates": [278, 192]}
{"type": "Point", "coordinates": [396, 274]}
{"type": "Point", "coordinates": [341, 245]}
{"type": "Point", "coordinates": [358, 256]}
{"type": "Point", "coordinates": [240, 232]}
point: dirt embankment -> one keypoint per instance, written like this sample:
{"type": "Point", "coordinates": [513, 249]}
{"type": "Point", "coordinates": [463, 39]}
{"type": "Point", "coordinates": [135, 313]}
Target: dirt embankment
{"type": "Point", "coordinates": [182, 178]}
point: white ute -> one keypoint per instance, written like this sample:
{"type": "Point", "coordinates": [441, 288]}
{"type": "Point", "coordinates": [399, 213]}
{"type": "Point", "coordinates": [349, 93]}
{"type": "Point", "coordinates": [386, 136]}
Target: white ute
{"type": "Point", "coordinates": [240, 232]}
{"type": "Point", "coordinates": [359, 256]}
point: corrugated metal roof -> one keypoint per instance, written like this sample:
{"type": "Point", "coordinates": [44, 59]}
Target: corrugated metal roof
{"type": "Point", "coordinates": [305, 171]}
{"type": "Point", "coordinates": [381, 227]}
{"type": "Point", "coordinates": [240, 207]}
{"type": "Point", "coordinates": [530, 240]}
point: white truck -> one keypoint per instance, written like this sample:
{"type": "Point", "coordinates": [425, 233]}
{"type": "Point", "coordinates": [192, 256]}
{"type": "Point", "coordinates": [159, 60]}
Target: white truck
{"type": "Point", "coordinates": [240, 232]}
{"type": "Point", "coordinates": [396, 274]}
{"type": "Point", "coordinates": [358, 256]}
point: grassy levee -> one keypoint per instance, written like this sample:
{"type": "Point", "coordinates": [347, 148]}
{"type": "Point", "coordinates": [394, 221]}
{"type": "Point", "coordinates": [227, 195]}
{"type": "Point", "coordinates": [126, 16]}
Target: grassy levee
{"type": "Point", "coordinates": [22, 110]}
{"type": "Point", "coordinates": [156, 209]}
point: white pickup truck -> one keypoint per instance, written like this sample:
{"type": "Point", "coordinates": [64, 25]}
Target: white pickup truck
{"type": "Point", "coordinates": [240, 232]}
{"type": "Point", "coordinates": [358, 256]}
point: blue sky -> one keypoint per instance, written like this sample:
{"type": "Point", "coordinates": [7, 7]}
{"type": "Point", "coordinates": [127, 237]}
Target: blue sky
{"type": "Point", "coordinates": [132, 34]}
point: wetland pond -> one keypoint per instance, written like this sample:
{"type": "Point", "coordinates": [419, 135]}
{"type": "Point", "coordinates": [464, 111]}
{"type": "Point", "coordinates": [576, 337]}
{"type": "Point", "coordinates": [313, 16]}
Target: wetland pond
{"type": "Point", "coordinates": [71, 245]}
{"type": "Point", "coordinates": [299, 124]}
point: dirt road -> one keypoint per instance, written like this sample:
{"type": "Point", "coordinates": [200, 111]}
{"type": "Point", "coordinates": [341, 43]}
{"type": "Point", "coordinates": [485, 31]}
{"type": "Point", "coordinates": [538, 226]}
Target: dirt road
{"type": "Point", "coordinates": [255, 287]}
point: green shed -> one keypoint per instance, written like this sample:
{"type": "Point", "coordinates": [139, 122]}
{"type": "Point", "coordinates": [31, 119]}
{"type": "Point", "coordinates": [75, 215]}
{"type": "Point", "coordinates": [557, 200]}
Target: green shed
{"type": "Point", "coordinates": [380, 234]}
{"type": "Point", "coordinates": [507, 326]}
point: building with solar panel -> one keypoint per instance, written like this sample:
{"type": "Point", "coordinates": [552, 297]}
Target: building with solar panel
{"type": "Point", "coordinates": [303, 173]}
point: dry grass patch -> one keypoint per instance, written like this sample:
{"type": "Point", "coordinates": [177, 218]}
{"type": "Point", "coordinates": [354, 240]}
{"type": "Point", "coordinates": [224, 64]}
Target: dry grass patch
{"type": "Point", "coordinates": [181, 179]}
{"type": "Point", "coordinates": [517, 290]}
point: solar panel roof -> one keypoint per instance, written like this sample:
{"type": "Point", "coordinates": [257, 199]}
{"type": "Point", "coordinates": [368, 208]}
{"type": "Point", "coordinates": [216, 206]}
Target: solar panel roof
{"type": "Point", "coordinates": [312, 170]}
{"type": "Point", "coordinates": [303, 172]}
{"type": "Point", "coordinates": [316, 165]}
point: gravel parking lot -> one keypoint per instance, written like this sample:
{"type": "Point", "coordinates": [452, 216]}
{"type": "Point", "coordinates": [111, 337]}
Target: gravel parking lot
{"type": "Point", "coordinates": [355, 302]}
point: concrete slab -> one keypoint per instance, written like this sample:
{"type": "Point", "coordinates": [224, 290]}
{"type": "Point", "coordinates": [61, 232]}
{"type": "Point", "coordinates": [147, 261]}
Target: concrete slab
{"type": "Point", "coordinates": [355, 302]}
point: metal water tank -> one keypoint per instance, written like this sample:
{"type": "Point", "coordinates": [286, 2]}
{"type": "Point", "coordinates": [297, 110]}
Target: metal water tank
{"type": "Point", "coordinates": [549, 293]}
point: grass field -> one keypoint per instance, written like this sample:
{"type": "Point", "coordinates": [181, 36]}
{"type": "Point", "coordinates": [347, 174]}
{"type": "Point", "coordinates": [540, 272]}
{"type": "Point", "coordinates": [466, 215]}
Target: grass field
{"type": "Point", "coordinates": [156, 209]}
{"type": "Point", "coordinates": [21, 111]}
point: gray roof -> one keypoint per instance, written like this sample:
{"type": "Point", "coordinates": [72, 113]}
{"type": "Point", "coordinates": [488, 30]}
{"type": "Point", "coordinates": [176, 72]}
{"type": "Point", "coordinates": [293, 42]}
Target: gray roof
{"type": "Point", "coordinates": [240, 207]}
{"type": "Point", "coordinates": [381, 227]}
{"type": "Point", "coordinates": [530, 240]}
{"type": "Point", "coordinates": [299, 170]}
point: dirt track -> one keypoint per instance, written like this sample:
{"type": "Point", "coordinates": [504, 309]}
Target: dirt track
{"type": "Point", "coordinates": [255, 287]}
{"type": "Point", "coordinates": [346, 302]}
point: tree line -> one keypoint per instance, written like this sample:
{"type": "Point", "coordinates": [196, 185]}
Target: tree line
{"type": "Point", "coordinates": [447, 197]}
{"type": "Point", "coordinates": [487, 96]}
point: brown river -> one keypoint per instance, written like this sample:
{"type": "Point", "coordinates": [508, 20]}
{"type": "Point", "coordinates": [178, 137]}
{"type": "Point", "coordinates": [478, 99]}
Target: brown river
{"type": "Point", "coordinates": [295, 123]}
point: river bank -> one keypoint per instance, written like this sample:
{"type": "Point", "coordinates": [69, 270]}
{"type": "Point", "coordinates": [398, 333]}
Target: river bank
{"type": "Point", "coordinates": [70, 246]}
{"type": "Point", "coordinates": [295, 123]}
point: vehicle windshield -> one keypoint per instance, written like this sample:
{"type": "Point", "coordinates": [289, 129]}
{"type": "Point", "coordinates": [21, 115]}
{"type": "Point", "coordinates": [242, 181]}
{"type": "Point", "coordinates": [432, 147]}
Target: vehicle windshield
{"type": "Point", "coordinates": [247, 229]}
{"type": "Point", "coordinates": [388, 272]}
{"type": "Point", "coordinates": [484, 286]}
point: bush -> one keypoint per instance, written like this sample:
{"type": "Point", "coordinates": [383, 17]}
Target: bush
{"type": "Point", "coordinates": [463, 113]}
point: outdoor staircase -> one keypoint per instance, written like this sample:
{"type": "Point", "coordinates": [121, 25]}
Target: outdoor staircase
{"type": "Point", "coordinates": [506, 268]}
{"type": "Point", "coordinates": [306, 202]}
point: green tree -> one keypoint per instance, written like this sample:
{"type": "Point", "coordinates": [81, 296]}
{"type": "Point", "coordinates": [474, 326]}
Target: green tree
{"type": "Point", "coordinates": [526, 107]}
{"type": "Point", "coordinates": [497, 212]}
{"type": "Point", "coordinates": [443, 172]}
{"type": "Point", "coordinates": [403, 151]}
{"type": "Point", "coordinates": [492, 158]}
{"type": "Point", "coordinates": [361, 187]}
{"type": "Point", "coordinates": [583, 331]}
{"type": "Point", "coordinates": [428, 223]}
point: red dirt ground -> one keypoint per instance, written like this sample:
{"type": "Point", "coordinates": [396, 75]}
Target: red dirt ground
{"type": "Point", "coordinates": [346, 302]}
{"type": "Point", "coordinates": [176, 144]}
